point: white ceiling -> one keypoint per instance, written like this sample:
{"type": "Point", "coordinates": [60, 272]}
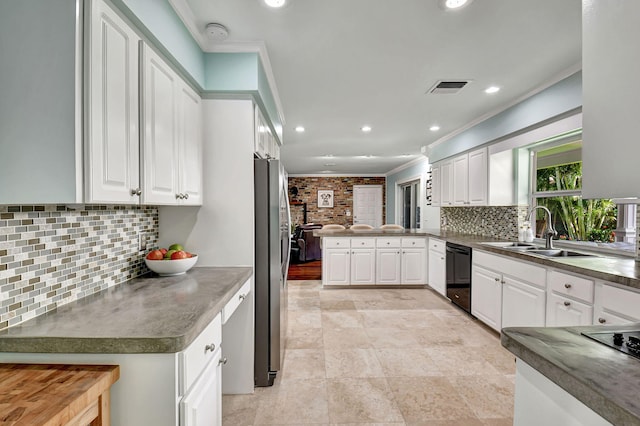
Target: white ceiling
{"type": "Point", "coordinates": [341, 64]}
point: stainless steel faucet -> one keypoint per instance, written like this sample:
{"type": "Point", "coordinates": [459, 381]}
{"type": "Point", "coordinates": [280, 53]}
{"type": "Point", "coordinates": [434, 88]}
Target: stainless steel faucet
{"type": "Point", "coordinates": [549, 232]}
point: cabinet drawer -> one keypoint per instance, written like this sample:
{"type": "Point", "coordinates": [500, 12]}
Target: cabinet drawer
{"type": "Point", "coordinates": [235, 301]}
{"type": "Point", "coordinates": [363, 243]}
{"type": "Point", "coordinates": [620, 301]}
{"type": "Point", "coordinates": [522, 270]}
{"type": "Point", "coordinates": [414, 242]}
{"type": "Point", "coordinates": [336, 242]}
{"type": "Point", "coordinates": [570, 285]}
{"type": "Point", "coordinates": [388, 242]}
{"type": "Point", "coordinates": [194, 359]}
{"type": "Point", "coordinates": [437, 245]}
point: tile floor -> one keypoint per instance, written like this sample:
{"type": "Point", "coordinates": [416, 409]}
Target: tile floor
{"type": "Point", "coordinates": [381, 356]}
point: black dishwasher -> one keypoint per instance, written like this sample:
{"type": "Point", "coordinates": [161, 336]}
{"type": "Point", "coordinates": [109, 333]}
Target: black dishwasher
{"type": "Point", "coordinates": [459, 275]}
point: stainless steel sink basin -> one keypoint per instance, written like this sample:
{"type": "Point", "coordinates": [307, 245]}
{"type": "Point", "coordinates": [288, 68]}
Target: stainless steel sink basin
{"type": "Point", "coordinates": [512, 246]}
{"type": "Point", "coordinates": [557, 253]}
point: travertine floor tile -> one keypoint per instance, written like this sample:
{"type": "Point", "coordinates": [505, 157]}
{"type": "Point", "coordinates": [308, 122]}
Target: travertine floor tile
{"type": "Point", "coordinates": [391, 338]}
{"type": "Point", "coordinates": [437, 336]}
{"type": "Point", "coordinates": [294, 402]}
{"type": "Point", "coordinates": [303, 320]}
{"type": "Point", "coordinates": [310, 338]}
{"type": "Point", "coordinates": [303, 364]}
{"type": "Point", "coordinates": [346, 338]}
{"type": "Point", "coordinates": [498, 422]}
{"type": "Point", "coordinates": [337, 305]}
{"type": "Point", "coordinates": [429, 398]}
{"type": "Point", "coordinates": [361, 400]}
{"type": "Point", "coordinates": [304, 304]}
{"type": "Point", "coordinates": [239, 410]}
{"type": "Point", "coordinates": [341, 319]}
{"type": "Point", "coordinates": [460, 361]}
{"type": "Point", "coordinates": [488, 396]}
{"type": "Point", "coordinates": [501, 359]}
{"type": "Point", "coordinates": [352, 363]}
{"type": "Point", "coordinates": [407, 362]}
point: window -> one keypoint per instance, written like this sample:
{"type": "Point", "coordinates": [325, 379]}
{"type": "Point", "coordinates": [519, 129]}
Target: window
{"type": "Point", "coordinates": [556, 180]}
{"type": "Point", "coordinates": [410, 207]}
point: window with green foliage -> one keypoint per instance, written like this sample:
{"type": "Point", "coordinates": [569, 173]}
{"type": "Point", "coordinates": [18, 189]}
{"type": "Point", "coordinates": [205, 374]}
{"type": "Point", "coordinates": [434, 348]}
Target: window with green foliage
{"type": "Point", "coordinates": [558, 186]}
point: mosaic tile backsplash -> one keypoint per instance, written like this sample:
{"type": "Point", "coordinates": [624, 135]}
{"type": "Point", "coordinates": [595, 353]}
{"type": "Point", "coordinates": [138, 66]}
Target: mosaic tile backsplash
{"type": "Point", "coordinates": [53, 255]}
{"type": "Point", "coordinates": [497, 222]}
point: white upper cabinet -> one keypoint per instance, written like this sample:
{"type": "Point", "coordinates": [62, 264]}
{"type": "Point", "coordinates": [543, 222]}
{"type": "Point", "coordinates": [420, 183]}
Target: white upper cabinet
{"type": "Point", "coordinates": [112, 148]}
{"type": "Point", "coordinates": [172, 136]}
{"type": "Point", "coordinates": [610, 90]}
{"type": "Point", "coordinates": [461, 181]}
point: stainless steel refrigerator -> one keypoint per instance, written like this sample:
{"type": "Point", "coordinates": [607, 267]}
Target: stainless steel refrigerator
{"type": "Point", "coordinates": [272, 247]}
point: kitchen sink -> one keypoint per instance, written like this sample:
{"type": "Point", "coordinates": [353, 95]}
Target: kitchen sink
{"type": "Point", "coordinates": [513, 246]}
{"type": "Point", "coordinates": [557, 253]}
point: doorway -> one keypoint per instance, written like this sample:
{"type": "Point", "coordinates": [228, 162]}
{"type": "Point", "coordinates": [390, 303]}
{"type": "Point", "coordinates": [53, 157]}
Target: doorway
{"type": "Point", "coordinates": [367, 205]}
{"type": "Point", "coordinates": [409, 200]}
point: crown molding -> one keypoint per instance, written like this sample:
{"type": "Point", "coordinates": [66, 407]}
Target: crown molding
{"type": "Point", "coordinates": [186, 15]}
{"type": "Point", "coordinates": [404, 166]}
{"type": "Point", "coordinates": [555, 79]}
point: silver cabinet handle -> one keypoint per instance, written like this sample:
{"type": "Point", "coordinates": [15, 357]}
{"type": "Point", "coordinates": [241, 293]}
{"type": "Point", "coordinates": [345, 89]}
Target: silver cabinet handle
{"type": "Point", "coordinates": [502, 282]}
{"type": "Point", "coordinates": [185, 196]}
{"type": "Point", "coordinates": [178, 196]}
{"type": "Point", "coordinates": [210, 347]}
{"type": "Point", "coordinates": [136, 191]}
{"type": "Point", "coordinates": [567, 303]}
{"type": "Point", "coordinates": [222, 361]}
{"type": "Point", "coordinates": [567, 285]}
{"type": "Point", "coordinates": [602, 320]}
{"type": "Point", "coordinates": [242, 296]}
{"type": "Point", "coordinates": [497, 279]}
{"type": "Point", "coordinates": [442, 258]}
{"type": "Point", "coordinates": [362, 243]}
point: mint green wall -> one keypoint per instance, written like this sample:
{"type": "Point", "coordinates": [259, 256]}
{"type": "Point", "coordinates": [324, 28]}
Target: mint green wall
{"type": "Point", "coordinates": [268, 100]}
{"type": "Point", "coordinates": [560, 98]}
{"type": "Point", "coordinates": [160, 23]}
{"type": "Point", "coordinates": [418, 169]}
{"type": "Point", "coordinates": [231, 72]}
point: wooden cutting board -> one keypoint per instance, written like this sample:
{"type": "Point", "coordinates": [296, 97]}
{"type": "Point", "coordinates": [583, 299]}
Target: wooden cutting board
{"type": "Point", "coordinates": [51, 394]}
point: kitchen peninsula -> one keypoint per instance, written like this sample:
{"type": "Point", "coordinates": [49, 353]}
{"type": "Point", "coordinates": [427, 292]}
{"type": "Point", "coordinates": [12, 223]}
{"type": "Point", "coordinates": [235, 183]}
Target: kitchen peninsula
{"type": "Point", "coordinates": [165, 333]}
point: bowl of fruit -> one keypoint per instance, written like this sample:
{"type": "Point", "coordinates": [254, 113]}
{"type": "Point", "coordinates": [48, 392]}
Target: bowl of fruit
{"type": "Point", "coordinates": [172, 261]}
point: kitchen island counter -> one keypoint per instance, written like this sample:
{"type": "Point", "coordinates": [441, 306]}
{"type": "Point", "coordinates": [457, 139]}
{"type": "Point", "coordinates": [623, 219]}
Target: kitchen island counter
{"type": "Point", "coordinates": [150, 314]}
{"type": "Point", "coordinates": [603, 379]}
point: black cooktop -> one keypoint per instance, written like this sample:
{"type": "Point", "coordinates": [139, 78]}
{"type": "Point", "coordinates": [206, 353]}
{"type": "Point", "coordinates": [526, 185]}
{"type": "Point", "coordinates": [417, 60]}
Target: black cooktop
{"type": "Point", "coordinates": [624, 341]}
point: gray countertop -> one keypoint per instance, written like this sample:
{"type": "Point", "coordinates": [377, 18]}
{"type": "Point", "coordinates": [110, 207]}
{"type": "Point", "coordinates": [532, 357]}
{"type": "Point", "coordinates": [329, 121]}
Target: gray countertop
{"type": "Point", "coordinates": [370, 233]}
{"type": "Point", "coordinates": [602, 378]}
{"type": "Point", "coordinates": [149, 314]}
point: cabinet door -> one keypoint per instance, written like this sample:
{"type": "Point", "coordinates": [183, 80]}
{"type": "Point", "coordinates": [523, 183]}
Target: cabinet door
{"type": "Point", "coordinates": [363, 266]}
{"type": "Point", "coordinates": [112, 149]}
{"type": "Point", "coordinates": [437, 272]}
{"type": "Point", "coordinates": [436, 182]}
{"type": "Point", "coordinates": [565, 312]}
{"type": "Point", "coordinates": [160, 147]}
{"type": "Point", "coordinates": [478, 173]}
{"type": "Point", "coordinates": [414, 266]}
{"type": "Point", "coordinates": [446, 187]}
{"type": "Point", "coordinates": [486, 296]}
{"type": "Point", "coordinates": [461, 180]}
{"type": "Point", "coordinates": [190, 144]}
{"type": "Point", "coordinates": [388, 266]}
{"type": "Point", "coordinates": [202, 406]}
{"type": "Point", "coordinates": [523, 305]}
{"type": "Point", "coordinates": [260, 140]}
{"type": "Point", "coordinates": [336, 266]}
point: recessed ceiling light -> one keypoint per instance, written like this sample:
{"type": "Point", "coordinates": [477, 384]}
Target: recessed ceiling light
{"type": "Point", "coordinates": [262, 129]}
{"type": "Point", "coordinates": [366, 129]}
{"type": "Point", "coordinates": [434, 128]}
{"type": "Point", "coordinates": [299, 129]}
{"type": "Point", "coordinates": [455, 4]}
{"type": "Point", "coordinates": [330, 164]}
{"type": "Point", "coordinates": [492, 89]}
{"type": "Point", "coordinates": [328, 155]}
{"type": "Point", "coordinates": [274, 3]}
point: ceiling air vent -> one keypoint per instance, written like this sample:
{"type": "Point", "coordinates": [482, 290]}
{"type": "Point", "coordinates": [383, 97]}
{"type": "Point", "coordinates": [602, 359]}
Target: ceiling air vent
{"type": "Point", "coordinates": [448, 87]}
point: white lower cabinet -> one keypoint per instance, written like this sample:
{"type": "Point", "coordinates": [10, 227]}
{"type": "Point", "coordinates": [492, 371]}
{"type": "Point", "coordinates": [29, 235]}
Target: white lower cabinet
{"type": "Point", "coordinates": [363, 266]}
{"type": "Point", "coordinates": [523, 304]}
{"type": "Point", "coordinates": [437, 266]}
{"type": "Point", "coordinates": [374, 261]}
{"type": "Point", "coordinates": [486, 296]}
{"type": "Point", "coordinates": [202, 406]}
{"type": "Point", "coordinates": [614, 305]}
{"type": "Point", "coordinates": [565, 312]}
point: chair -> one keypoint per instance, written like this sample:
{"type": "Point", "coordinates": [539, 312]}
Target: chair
{"type": "Point", "coordinates": [392, 226]}
{"type": "Point", "coordinates": [307, 244]}
{"type": "Point", "coordinates": [333, 227]}
{"type": "Point", "coordinates": [360, 226]}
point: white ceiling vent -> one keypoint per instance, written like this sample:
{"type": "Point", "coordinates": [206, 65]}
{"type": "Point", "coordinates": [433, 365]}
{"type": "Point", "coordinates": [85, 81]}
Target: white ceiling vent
{"type": "Point", "coordinates": [448, 87]}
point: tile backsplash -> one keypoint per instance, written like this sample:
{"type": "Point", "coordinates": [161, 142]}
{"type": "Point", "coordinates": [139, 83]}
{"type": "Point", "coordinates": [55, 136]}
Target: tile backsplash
{"type": "Point", "coordinates": [52, 255]}
{"type": "Point", "coordinates": [498, 222]}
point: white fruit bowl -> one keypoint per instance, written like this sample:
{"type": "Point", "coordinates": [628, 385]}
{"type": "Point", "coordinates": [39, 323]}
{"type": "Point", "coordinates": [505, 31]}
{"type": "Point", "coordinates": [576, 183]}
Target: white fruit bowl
{"type": "Point", "coordinates": [166, 268]}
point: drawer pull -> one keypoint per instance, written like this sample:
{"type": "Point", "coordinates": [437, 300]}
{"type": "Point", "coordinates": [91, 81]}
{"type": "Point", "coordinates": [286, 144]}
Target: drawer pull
{"type": "Point", "coordinates": [388, 243]}
{"type": "Point", "coordinates": [602, 320]}
{"type": "Point", "coordinates": [362, 243]}
{"type": "Point", "coordinates": [222, 361]}
{"type": "Point", "coordinates": [242, 296]}
{"type": "Point", "coordinates": [567, 303]}
{"type": "Point", "coordinates": [497, 279]}
{"type": "Point", "coordinates": [211, 347]}
{"type": "Point", "coordinates": [567, 285]}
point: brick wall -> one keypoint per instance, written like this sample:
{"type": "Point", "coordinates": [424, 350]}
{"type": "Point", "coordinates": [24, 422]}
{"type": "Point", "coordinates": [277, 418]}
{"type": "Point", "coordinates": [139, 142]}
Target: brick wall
{"type": "Point", "coordinates": [342, 198]}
